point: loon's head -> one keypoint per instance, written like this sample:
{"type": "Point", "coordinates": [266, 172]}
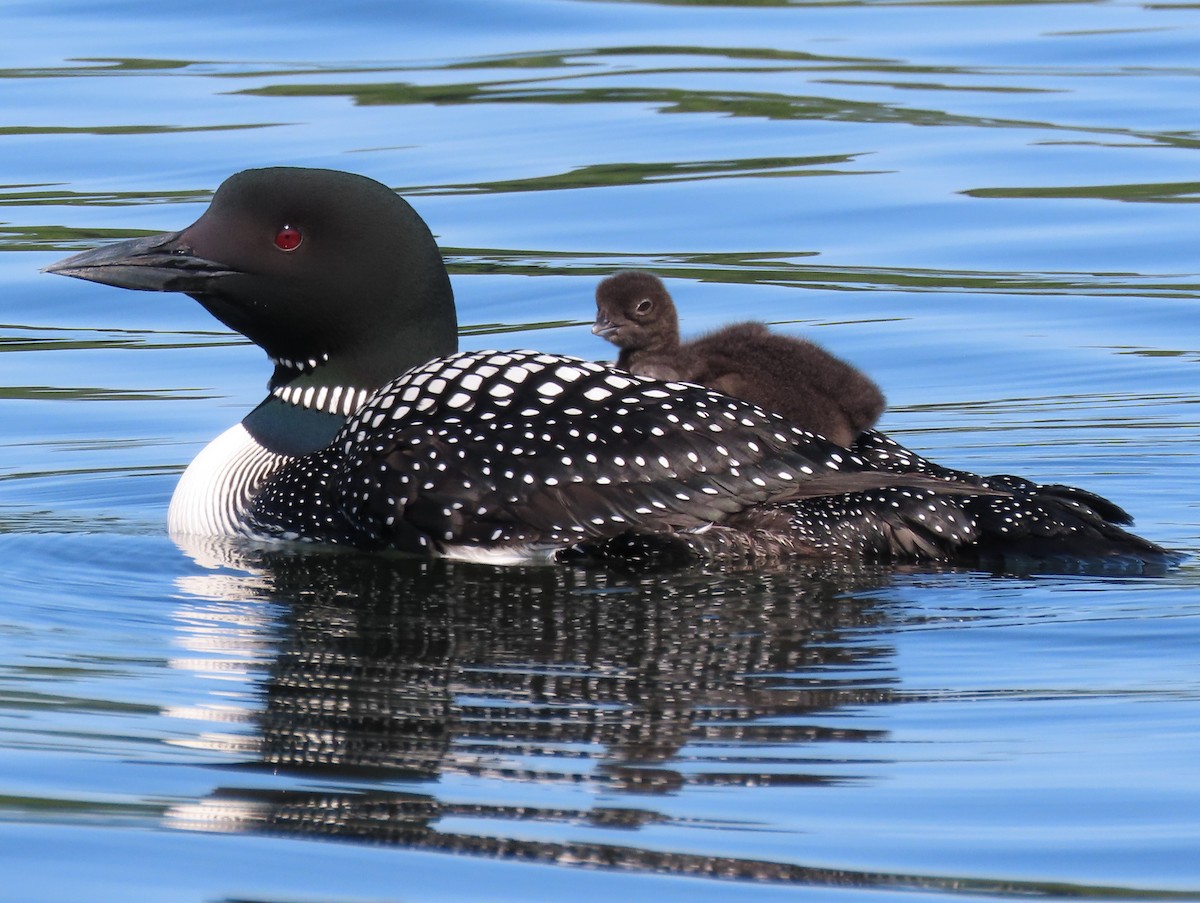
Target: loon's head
{"type": "Point", "coordinates": [326, 271]}
{"type": "Point", "coordinates": [635, 311]}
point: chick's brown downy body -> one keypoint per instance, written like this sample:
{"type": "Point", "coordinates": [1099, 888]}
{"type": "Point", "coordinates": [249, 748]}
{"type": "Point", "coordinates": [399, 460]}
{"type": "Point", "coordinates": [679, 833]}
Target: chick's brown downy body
{"type": "Point", "coordinates": [794, 377]}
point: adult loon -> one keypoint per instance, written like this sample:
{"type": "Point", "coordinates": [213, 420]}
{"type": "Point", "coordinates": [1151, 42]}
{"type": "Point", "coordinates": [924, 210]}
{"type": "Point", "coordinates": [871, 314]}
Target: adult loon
{"type": "Point", "coordinates": [802, 381]}
{"type": "Point", "coordinates": [375, 433]}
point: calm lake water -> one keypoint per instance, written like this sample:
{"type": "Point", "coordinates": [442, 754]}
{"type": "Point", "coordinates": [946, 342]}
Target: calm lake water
{"type": "Point", "coordinates": [990, 207]}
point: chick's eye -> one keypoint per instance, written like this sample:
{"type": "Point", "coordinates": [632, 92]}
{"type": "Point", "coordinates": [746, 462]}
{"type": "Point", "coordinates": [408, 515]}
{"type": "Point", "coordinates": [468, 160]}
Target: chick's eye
{"type": "Point", "coordinates": [288, 238]}
{"type": "Point", "coordinates": [644, 305]}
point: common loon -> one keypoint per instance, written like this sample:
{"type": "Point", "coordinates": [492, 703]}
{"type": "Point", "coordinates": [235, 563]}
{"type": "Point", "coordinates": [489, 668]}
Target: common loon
{"type": "Point", "coordinates": [377, 434]}
{"type": "Point", "coordinates": [802, 381]}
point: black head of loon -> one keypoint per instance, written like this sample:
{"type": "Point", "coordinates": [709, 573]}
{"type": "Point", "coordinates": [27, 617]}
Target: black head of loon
{"type": "Point", "coordinates": [332, 274]}
{"type": "Point", "coordinates": [800, 380]}
{"type": "Point", "coordinates": [376, 434]}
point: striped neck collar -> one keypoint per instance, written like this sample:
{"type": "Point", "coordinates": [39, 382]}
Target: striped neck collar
{"type": "Point", "coordinates": [316, 396]}
{"type": "Point", "coordinates": [299, 367]}
{"type": "Point", "coordinates": [317, 384]}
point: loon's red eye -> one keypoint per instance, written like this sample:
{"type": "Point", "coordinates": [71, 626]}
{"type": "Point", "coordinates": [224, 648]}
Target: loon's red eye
{"type": "Point", "coordinates": [288, 238]}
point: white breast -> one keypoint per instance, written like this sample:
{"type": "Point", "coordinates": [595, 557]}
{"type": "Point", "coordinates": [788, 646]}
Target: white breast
{"type": "Point", "coordinates": [216, 490]}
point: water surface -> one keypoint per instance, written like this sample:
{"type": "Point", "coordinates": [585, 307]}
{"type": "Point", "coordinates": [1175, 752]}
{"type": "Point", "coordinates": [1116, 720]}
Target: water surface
{"type": "Point", "coordinates": [989, 207]}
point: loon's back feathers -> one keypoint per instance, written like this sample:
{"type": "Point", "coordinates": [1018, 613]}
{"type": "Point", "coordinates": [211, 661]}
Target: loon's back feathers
{"type": "Point", "coordinates": [899, 524]}
{"type": "Point", "coordinates": [887, 454]}
{"type": "Point", "coordinates": [502, 473]}
{"type": "Point", "coordinates": [511, 456]}
{"type": "Point", "coordinates": [500, 449]}
{"type": "Point", "coordinates": [894, 523]}
{"type": "Point", "coordinates": [809, 386]}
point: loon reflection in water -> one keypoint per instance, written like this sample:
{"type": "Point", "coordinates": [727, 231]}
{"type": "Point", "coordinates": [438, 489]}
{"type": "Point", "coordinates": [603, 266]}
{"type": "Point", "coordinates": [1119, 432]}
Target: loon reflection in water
{"type": "Point", "coordinates": [397, 671]}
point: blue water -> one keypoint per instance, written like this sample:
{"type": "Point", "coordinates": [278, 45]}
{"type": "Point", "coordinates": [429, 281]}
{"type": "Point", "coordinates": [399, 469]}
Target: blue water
{"type": "Point", "coordinates": [989, 207]}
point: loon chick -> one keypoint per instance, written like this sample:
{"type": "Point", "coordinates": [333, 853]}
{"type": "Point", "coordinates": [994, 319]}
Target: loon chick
{"type": "Point", "coordinates": [377, 434]}
{"type": "Point", "coordinates": [802, 381]}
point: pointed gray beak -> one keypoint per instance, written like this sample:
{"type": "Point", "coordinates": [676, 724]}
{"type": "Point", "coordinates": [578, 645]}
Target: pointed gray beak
{"type": "Point", "coordinates": [157, 263]}
{"type": "Point", "coordinates": [603, 327]}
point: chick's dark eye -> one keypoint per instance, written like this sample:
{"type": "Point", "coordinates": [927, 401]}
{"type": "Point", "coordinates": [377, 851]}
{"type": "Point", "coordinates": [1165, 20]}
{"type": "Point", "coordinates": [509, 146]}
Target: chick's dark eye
{"type": "Point", "coordinates": [644, 305]}
{"type": "Point", "coordinates": [288, 238]}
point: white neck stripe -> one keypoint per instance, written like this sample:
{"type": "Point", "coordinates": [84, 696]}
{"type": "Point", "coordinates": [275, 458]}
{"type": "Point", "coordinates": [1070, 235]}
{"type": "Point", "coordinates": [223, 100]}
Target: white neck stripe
{"type": "Point", "coordinates": [301, 366]}
{"type": "Point", "coordinates": [344, 400]}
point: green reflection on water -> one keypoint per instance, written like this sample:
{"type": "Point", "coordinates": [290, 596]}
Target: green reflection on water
{"type": "Point", "coordinates": [792, 269]}
{"type": "Point", "coordinates": [1159, 192]}
{"type": "Point", "coordinates": [561, 68]}
{"type": "Point", "coordinates": [128, 129]}
{"type": "Point", "coordinates": [90, 393]}
{"type": "Point", "coordinates": [26, 196]}
{"type": "Point", "coordinates": [613, 174]}
{"type": "Point", "coordinates": [75, 338]}
{"type": "Point", "coordinates": [96, 66]}
{"type": "Point", "coordinates": [860, 3]}
{"type": "Point", "coordinates": [501, 328]}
